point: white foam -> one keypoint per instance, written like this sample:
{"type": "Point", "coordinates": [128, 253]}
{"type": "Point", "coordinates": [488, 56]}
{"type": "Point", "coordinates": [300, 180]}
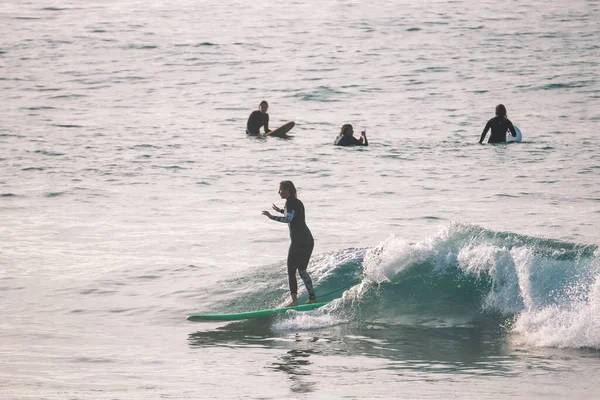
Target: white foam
{"type": "Point", "coordinates": [299, 321]}
{"type": "Point", "coordinates": [383, 262]}
{"type": "Point", "coordinates": [394, 256]}
{"type": "Point", "coordinates": [509, 271]}
{"type": "Point", "coordinates": [569, 325]}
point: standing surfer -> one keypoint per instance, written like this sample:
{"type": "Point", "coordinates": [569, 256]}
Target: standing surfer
{"type": "Point", "coordinates": [302, 240]}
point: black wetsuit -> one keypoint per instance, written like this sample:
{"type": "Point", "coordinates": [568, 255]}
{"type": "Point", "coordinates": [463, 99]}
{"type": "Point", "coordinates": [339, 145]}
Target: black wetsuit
{"type": "Point", "coordinates": [301, 247]}
{"type": "Point", "coordinates": [255, 121]}
{"type": "Point", "coordinates": [499, 127]}
{"type": "Point", "coordinates": [347, 140]}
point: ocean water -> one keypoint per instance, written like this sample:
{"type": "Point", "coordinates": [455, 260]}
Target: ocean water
{"type": "Point", "coordinates": [130, 197]}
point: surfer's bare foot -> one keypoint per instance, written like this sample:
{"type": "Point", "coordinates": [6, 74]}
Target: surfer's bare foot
{"type": "Point", "coordinates": [294, 301]}
{"type": "Point", "coordinates": [311, 301]}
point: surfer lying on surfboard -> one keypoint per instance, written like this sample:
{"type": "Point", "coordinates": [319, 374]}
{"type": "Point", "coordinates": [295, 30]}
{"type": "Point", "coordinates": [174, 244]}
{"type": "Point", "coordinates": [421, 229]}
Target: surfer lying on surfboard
{"type": "Point", "coordinates": [258, 119]}
{"type": "Point", "coordinates": [302, 240]}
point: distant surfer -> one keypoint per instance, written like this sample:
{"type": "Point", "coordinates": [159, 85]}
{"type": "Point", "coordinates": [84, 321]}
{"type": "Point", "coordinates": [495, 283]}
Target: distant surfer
{"type": "Point", "coordinates": [302, 240]}
{"type": "Point", "coordinates": [257, 119]}
{"type": "Point", "coordinates": [499, 125]}
{"type": "Point", "coordinates": [346, 137]}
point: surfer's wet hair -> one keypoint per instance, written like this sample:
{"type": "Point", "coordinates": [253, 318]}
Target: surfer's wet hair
{"type": "Point", "coordinates": [289, 185]}
{"type": "Point", "coordinates": [501, 111]}
{"type": "Point", "coordinates": [264, 103]}
{"type": "Point", "coordinates": [345, 127]}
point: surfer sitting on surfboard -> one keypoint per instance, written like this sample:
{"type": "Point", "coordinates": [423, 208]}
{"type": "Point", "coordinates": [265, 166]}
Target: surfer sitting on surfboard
{"type": "Point", "coordinates": [257, 119]}
{"type": "Point", "coordinates": [346, 137]}
{"type": "Point", "coordinates": [302, 240]}
{"type": "Point", "coordinates": [499, 125]}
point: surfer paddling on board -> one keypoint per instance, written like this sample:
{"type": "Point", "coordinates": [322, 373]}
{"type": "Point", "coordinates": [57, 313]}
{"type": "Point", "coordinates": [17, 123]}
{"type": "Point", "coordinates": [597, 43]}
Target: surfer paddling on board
{"type": "Point", "coordinates": [499, 125]}
{"type": "Point", "coordinates": [259, 118]}
{"type": "Point", "coordinates": [346, 137]}
{"type": "Point", "coordinates": [302, 240]}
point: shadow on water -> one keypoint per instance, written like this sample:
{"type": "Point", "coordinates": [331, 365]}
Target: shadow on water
{"type": "Point", "coordinates": [249, 333]}
{"type": "Point", "coordinates": [296, 364]}
{"type": "Point", "coordinates": [481, 348]}
{"type": "Point", "coordinates": [258, 333]}
{"type": "Point", "coordinates": [284, 136]}
{"type": "Point", "coordinates": [264, 137]}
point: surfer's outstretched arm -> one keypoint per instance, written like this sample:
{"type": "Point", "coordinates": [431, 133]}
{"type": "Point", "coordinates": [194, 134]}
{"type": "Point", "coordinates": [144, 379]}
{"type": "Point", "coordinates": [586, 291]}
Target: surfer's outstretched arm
{"type": "Point", "coordinates": [287, 218]}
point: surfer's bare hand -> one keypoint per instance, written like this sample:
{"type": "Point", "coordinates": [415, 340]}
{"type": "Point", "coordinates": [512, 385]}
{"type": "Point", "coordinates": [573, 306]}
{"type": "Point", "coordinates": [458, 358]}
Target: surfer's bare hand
{"type": "Point", "coordinates": [277, 208]}
{"type": "Point", "coordinates": [268, 214]}
{"type": "Point", "coordinates": [364, 133]}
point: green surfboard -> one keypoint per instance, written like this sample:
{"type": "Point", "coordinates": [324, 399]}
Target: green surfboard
{"type": "Point", "coordinates": [252, 314]}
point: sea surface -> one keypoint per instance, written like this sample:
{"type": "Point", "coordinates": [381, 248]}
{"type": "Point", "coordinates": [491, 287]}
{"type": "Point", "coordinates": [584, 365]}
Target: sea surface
{"type": "Point", "coordinates": [130, 197]}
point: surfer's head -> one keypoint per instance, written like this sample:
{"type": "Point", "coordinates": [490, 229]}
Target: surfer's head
{"type": "Point", "coordinates": [501, 111]}
{"type": "Point", "coordinates": [347, 129]}
{"type": "Point", "coordinates": [287, 189]}
{"type": "Point", "coordinates": [263, 106]}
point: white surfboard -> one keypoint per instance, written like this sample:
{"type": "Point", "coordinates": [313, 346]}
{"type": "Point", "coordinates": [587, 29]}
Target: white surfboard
{"type": "Point", "coordinates": [511, 138]}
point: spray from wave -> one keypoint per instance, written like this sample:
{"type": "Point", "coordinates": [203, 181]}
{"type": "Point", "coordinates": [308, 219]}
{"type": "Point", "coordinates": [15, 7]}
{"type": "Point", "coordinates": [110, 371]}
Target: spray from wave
{"type": "Point", "coordinates": [548, 291]}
